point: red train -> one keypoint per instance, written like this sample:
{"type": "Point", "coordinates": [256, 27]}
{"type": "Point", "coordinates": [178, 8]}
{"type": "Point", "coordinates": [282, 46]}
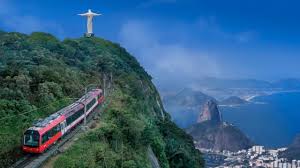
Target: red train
{"type": "Point", "coordinates": [47, 131]}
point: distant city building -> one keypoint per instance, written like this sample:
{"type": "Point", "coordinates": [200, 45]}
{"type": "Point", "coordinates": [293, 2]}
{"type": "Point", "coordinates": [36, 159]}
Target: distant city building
{"type": "Point", "coordinates": [256, 156]}
{"type": "Point", "coordinates": [258, 149]}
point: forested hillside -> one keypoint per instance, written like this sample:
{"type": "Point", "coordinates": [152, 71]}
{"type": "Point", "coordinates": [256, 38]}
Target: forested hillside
{"type": "Point", "coordinates": [40, 74]}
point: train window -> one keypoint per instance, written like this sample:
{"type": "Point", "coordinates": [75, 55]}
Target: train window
{"type": "Point", "coordinates": [81, 112]}
{"type": "Point", "coordinates": [45, 137]}
{"type": "Point", "coordinates": [69, 120]}
{"type": "Point", "coordinates": [51, 133]}
{"type": "Point", "coordinates": [57, 128]}
{"type": "Point", "coordinates": [76, 116]}
{"type": "Point", "coordinates": [31, 138]}
{"type": "Point", "coordinates": [91, 104]}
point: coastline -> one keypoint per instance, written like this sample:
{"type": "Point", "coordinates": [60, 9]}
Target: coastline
{"type": "Point", "coordinates": [249, 98]}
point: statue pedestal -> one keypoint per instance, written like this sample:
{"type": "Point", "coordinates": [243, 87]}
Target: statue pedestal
{"type": "Point", "coordinates": [88, 34]}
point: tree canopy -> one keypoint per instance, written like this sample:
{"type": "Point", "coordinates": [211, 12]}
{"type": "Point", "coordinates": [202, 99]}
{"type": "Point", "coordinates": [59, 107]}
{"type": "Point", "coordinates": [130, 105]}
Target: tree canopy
{"type": "Point", "coordinates": [40, 74]}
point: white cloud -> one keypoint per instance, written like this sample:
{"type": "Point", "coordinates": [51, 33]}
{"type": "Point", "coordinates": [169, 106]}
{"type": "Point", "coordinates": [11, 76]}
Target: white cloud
{"type": "Point", "coordinates": [14, 20]}
{"type": "Point", "coordinates": [165, 60]}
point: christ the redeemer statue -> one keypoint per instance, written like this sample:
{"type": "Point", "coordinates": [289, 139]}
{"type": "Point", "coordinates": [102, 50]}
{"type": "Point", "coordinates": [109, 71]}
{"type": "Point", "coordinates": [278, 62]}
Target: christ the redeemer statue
{"type": "Point", "coordinates": [89, 16]}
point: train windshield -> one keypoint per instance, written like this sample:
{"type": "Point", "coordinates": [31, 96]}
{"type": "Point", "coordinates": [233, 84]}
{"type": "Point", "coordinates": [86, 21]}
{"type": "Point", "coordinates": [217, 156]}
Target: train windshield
{"type": "Point", "coordinates": [31, 138]}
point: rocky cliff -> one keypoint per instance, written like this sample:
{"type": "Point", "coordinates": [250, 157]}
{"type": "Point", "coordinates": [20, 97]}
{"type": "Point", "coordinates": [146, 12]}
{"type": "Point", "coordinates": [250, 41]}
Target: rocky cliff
{"type": "Point", "coordinates": [185, 106]}
{"type": "Point", "coordinates": [212, 133]}
{"type": "Point", "coordinates": [210, 112]}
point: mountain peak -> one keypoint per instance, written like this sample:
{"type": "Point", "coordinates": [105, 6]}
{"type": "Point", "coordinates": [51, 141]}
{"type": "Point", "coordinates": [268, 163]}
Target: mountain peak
{"type": "Point", "coordinates": [210, 112]}
{"type": "Point", "coordinates": [293, 151]}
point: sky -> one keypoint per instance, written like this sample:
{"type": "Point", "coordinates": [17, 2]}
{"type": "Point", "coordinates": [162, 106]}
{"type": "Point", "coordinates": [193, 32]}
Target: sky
{"type": "Point", "coordinates": [179, 39]}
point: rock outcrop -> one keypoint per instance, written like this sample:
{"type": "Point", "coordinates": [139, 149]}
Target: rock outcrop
{"type": "Point", "coordinates": [219, 137]}
{"type": "Point", "coordinates": [186, 106]}
{"type": "Point", "coordinates": [212, 133]}
{"type": "Point", "coordinates": [210, 112]}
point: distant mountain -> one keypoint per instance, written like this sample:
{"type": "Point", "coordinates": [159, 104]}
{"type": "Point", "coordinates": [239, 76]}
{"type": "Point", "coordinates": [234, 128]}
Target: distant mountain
{"type": "Point", "coordinates": [243, 88]}
{"type": "Point", "coordinates": [233, 100]}
{"type": "Point", "coordinates": [293, 151]}
{"type": "Point", "coordinates": [185, 106]}
{"type": "Point", "coordinates": [221, 83]}
{"type": "Point", "coordinates": [232, 83]}
{"type": "Point", "coordinates": [188, 98]}
{"type": "Point", "coordinates": [212, 133]}
{"type": "Point", "coordinates": [219, 136]}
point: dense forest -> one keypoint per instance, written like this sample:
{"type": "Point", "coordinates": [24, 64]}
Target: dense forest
{"type": "Point", "coordinates": [40, 74]}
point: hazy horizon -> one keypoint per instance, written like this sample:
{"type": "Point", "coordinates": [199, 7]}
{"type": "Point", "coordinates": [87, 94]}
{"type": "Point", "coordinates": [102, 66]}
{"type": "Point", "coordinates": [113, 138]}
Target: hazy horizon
{"type": "Point", "coordinates": [149, 83]}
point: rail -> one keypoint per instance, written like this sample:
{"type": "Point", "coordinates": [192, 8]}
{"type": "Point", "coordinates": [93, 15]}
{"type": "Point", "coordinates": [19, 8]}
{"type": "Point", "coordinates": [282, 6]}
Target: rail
{"type": "Point", "coordinates": [36, 161]}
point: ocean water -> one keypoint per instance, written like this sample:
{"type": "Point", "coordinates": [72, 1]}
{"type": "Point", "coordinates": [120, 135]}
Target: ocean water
{"type": "Point", "coordinates": [273, 123]}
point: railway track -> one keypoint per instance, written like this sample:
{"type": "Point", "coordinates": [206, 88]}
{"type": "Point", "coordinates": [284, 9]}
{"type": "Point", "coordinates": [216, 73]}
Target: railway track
{"type": "Point", "coordinates": [24, 161]}
{"type": "Point", "coordinates": [36, 161]}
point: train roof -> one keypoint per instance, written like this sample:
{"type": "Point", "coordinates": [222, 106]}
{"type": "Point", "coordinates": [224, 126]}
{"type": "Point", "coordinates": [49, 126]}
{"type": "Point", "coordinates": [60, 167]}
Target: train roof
{"type": "Point", "coordinates": [66, 111]}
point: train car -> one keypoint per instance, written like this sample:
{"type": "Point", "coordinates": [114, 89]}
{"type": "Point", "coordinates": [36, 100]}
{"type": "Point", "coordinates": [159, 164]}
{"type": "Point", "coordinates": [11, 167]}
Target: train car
{"type": "Point", "coordinates": [46, 132]}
